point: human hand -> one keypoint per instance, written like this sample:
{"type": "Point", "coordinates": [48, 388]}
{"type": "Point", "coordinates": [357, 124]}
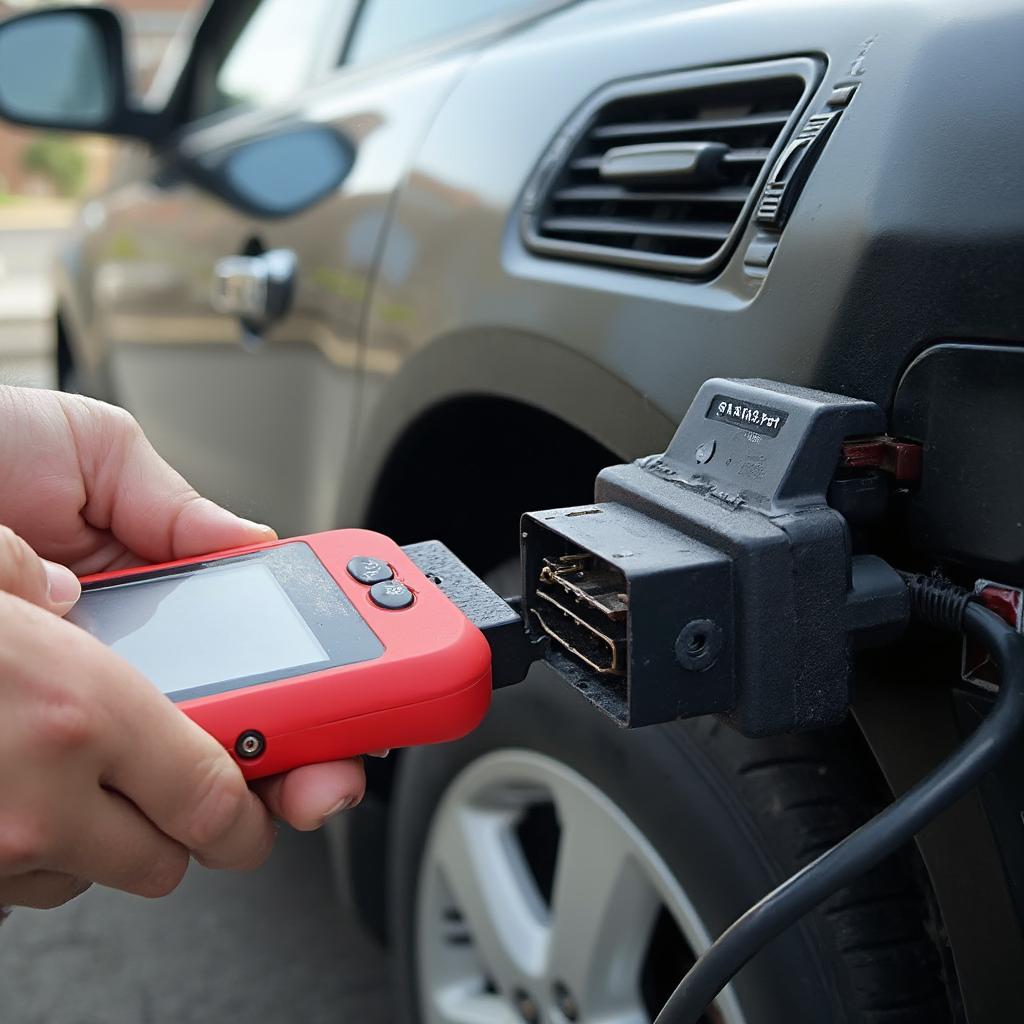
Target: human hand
{"type": "Point", "coordinates": [104, 779]}
{"type": "Point", "coordinates": [81, 484]}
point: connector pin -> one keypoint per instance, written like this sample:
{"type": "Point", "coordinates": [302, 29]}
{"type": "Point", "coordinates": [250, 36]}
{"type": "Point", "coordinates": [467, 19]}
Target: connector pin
{"type": "Point", "coordinates": [585, 610]}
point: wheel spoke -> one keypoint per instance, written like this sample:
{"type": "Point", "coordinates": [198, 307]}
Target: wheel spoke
{"type": "Point", "coordinates": [491, 885]}
{"type": "Point", "coordinates": [460, 1004]}
{"type": "Point", "coordinates": [603, 909]}
{"type": "Point", "coordinates": [493, 949]}
{"type": "Point", "coordinates": [630, 1015]}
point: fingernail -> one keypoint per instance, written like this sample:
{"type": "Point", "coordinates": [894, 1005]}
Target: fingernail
{"type": "Point", "coordinates": [342, 805]}
{"type": "Point", "coordinates": [213, 513]}
{"type": "Point", "coordinates": [262, 527]}
{"type": "Point", "coordinates": [63, 585]}
{"type": "Point", "coordinates": [379, 753]}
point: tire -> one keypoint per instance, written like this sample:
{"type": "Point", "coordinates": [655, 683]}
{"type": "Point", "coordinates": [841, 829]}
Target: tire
{"type": "Point", "coordinates": [66, 372]}
{"type": "Point", "coordinates": [726, 817]}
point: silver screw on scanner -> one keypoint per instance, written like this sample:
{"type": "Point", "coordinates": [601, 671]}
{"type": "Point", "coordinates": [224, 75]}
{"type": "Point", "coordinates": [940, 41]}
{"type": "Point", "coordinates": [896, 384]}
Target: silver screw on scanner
{"type": "Point", "coordinates": [250, 744]}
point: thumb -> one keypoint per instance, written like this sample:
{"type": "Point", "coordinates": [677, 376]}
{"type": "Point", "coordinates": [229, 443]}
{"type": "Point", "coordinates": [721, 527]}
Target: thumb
{"type": "Point", "coordinates": [149, 507]}
{"type": "Point", "coordinates": [24, 574]}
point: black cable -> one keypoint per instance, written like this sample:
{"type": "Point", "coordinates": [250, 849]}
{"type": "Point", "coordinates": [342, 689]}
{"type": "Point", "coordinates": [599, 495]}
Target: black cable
{"type": "Point", "coordinates": [939, 604]}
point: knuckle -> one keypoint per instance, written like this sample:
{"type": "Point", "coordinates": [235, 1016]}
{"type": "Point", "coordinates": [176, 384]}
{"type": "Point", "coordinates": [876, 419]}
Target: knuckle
{"type": "Point", "coordinates": [260, 853]}
{"type": "Point", "coordinates": [8, 538]}
{"type": "Point", "coordinates": [14, 553]}
{"type": "Point", "coordinates": [24, 843]}
{"type": "Point", "coordinates": [61, 892]}
{"type": "Point", "coordinates": [120, 422]}
{"type": "Point", "coordinates": [65, 725]}
{"type": "Point", "coordinates": [114, 426]}
{"type": "Point", "coordinates": [163, 876]}
{"type": "Point", "coordinates": [220, 802]}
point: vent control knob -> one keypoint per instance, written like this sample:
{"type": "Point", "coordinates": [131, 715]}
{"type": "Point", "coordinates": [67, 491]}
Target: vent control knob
{"type": "Point", "coordinates": [790, 171]}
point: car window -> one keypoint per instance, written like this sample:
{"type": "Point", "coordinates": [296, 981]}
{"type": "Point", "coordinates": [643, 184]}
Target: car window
{"type": "Point", "coordinates": [262, 51]}
{"type": "Point", "coordinates": [384, 27]}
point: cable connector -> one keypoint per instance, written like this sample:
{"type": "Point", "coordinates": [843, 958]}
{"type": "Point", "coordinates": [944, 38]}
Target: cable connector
{"type": "Point", "coordinates": [500, 621]}
{"type": "Point", "coordinates": [716, 577]}
{"type": "Point", "coordinates": [936, 602]}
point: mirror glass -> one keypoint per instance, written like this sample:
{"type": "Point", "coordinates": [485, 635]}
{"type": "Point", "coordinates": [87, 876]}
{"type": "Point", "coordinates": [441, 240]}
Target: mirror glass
{"type": "Point", "coordinates": [54, 71]}
{"type": "Point", "coordinates": [281, 174]}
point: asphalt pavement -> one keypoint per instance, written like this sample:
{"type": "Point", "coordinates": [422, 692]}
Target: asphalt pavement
{"type": "Point", "coordinates": [27, 304]}
{"type": "Point", "coordinates": [270, 947]}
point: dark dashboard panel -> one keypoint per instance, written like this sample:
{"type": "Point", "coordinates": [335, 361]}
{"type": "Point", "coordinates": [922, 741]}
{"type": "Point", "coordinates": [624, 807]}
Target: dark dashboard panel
{"type": "Point", "coordinates": [965, 403]}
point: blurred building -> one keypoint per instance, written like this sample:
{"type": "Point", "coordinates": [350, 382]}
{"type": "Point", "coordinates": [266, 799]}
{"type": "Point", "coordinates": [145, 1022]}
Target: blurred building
{"type": "Point", "coordinates": [42, 165]}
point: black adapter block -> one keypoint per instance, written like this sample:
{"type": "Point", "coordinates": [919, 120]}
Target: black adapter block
{"type": "Point", "coordinates": [716, 578]}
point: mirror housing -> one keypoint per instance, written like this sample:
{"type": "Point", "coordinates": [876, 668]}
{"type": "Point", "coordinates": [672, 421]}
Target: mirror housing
{"type": "Point", "coordinates": [275, 175]}
{"type": "Point", "coordinates": [64, 68]}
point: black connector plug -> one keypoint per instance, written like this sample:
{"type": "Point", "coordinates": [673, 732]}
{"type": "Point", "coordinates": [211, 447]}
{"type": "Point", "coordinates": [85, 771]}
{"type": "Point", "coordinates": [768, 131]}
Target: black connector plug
{"type": "Point", "coordinates": [512, 650]}
{"type": "Point", "coordinates": [716, 578]}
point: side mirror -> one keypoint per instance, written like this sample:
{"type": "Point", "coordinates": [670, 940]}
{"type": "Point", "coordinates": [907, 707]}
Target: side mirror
{"type": "Point", "coordinates": [64, 68]}
{"type": "Point", "coordinates": [275, 175]}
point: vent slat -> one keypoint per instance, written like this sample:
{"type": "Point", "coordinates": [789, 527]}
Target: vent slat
{"type": "Point", "coordinates": [746, 156]}
{"type": "Point", "coordinates": [585, 163]}
{"type": "Point", "coordinates": [653, 129]}
{"type": "Point", "coordinates": [684, 223]}
{"type": "Point", "coordinates": [734, 156]}
{"type": "Point", "coordinates": [654, 228]}
{"type": "Point", "coordinates": [612, 193]}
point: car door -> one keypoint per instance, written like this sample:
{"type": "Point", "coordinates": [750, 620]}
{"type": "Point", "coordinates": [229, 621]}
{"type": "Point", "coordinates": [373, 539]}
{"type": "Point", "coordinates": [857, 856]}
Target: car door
{"type": "Point", "coordinates": [257, 418]}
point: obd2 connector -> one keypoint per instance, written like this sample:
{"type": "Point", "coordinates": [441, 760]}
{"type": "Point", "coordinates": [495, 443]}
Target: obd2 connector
{"type": "Point", "coordinates": [716, 578]}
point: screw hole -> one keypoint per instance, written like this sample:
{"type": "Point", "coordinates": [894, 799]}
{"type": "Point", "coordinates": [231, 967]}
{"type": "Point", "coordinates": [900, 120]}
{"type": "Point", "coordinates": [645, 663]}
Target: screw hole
{"type": "Point", "coordinates": [698, 645]}
{"type": "Point", "coordinates": [250, 744]}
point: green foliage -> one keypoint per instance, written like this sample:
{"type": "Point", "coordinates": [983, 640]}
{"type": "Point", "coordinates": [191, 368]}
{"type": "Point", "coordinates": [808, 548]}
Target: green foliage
{"type": "Point", "coordinates": [59, 159]}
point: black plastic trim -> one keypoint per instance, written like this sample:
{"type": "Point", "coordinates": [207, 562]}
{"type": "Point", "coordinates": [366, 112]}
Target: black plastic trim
{"type": "Point", "coordinates": [537, 191]}
{"type": "Point", "coordinates": [125, 120]}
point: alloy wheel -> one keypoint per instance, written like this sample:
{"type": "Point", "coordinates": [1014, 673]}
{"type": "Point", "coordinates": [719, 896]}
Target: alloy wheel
{"type": "Point", "coordinates": [540, 901]}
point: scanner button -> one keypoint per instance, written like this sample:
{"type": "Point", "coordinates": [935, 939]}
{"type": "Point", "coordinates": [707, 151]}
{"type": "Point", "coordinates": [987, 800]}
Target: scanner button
{"type": "Point", "coordinates": [369, 570]}
{"type": "Point", "coordinates": [391, 594]}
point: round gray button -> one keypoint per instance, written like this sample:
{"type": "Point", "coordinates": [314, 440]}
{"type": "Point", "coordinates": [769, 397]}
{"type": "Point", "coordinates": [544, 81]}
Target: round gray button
{"type": "Point", "coordinates": [369, 570]}
{"type": "Point", "coordinates": [391, 594]}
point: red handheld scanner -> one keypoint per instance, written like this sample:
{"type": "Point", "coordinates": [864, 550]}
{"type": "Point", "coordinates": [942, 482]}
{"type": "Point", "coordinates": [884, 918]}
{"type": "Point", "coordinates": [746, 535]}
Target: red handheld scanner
{"type": "Point", "coordinates": [303, 650]}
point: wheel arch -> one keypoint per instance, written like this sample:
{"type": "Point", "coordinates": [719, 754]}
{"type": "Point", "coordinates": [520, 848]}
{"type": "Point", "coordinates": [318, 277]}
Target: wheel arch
{"type": "Point", "coordinates": [476, 462]}
{"type": "Point", "coordinates": [466, 487]}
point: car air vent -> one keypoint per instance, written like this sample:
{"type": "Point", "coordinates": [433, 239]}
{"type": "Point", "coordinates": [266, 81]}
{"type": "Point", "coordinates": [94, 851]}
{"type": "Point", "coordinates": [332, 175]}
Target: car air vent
{"type": "Point", "coordinates": [660, 174]}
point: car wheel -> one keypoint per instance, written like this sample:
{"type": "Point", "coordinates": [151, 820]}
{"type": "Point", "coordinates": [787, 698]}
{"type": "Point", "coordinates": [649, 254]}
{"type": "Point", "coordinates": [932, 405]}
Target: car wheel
{"type": "Point", "coordinates": [551, 867]}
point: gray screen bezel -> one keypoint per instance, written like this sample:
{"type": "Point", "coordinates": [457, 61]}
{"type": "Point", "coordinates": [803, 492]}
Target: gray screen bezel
{"type": "Point", "coordinates": [341, 631]}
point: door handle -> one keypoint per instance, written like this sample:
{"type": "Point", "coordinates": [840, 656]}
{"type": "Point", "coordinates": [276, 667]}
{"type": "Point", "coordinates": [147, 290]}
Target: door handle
{"type": "Point", "coordinates": [256, 289]}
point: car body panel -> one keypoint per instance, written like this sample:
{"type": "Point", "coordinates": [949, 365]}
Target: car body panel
{"type": "Point", "coordinates": [821, 306]}
{"type": "Point", "coordinates": [152, 275]}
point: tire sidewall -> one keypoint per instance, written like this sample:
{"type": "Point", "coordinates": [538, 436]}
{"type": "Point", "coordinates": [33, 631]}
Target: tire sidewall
{"type": "Point", "coordinates": [666, 782]}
